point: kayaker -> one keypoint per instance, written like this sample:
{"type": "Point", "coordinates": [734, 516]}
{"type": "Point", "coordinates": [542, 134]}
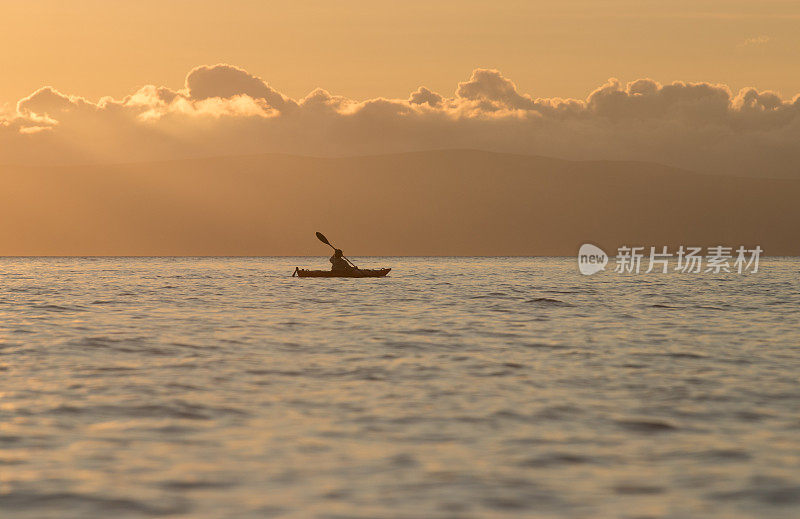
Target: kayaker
{"type": "Point", "coordinates": [338, 263]}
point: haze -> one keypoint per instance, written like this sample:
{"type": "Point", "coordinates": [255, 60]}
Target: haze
{"type": "Point", "coordinates": [428, 203]}
{"type": "Point", "coordinates": [189, 127]}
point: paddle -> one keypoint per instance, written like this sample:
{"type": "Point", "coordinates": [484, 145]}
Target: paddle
{"type": "Point", "coordinates": [321, 237]}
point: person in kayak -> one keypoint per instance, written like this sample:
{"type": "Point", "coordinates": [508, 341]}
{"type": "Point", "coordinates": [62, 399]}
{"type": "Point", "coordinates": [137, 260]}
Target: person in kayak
{"type": "Point", "coordinates": [338, 263]}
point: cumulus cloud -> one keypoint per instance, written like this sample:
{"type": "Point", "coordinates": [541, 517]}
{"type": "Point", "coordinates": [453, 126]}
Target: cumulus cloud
{"type": "Point", "coordinates": [226, 81]}
{"type": "Point", "coordinates": [493, 92]}
{"type": "Point", "coordinates": [225, 110]}
{"type": "Point", "coordinates": [424, 96]}
{"type": "Point", "coordinates": [48, 100]}
{"type": "Point", "coordinates": [755, 41]}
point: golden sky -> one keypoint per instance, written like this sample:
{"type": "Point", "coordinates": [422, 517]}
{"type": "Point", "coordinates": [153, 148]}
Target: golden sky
{"type": "Point", "coordinates": [364, 49]}
{"type": "Point", "coordinates": [159, 88]}
{"type": "Point", "coordinates": [708, 86]}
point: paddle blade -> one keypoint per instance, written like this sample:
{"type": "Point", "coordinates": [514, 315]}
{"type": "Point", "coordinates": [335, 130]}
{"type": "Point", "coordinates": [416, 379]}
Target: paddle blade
{"type": "Point", "coordinates": [321, 237]}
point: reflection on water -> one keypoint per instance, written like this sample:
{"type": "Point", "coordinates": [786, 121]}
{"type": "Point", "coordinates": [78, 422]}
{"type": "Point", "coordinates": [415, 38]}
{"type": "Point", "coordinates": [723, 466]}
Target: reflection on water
{"type": "Point", "coordinates": [453, 388]}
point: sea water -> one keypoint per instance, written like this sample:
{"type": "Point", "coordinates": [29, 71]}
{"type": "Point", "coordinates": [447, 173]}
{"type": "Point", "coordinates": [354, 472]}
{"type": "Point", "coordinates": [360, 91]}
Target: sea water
{"type": "Point", "coordinates": [455, 387]}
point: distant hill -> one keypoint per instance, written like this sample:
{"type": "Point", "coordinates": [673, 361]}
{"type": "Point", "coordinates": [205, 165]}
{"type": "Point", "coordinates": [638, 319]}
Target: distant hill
{"type": "Point", "coordinates": [427, 203]}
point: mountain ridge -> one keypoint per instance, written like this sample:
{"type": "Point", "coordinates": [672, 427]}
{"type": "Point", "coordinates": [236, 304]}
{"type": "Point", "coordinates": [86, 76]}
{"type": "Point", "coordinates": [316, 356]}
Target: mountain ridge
{"type": "Point", "coordinates": [441, 202]}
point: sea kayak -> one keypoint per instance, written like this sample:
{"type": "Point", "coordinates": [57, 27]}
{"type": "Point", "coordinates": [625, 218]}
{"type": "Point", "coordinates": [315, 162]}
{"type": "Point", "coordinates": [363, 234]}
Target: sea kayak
{"type": "Point", "coordinates": [357, 273]}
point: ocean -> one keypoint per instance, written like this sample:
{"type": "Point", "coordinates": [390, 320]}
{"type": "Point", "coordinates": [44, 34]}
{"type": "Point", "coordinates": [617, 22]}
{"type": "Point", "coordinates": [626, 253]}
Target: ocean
{"type": "Point", "coordinates": [454, 388]}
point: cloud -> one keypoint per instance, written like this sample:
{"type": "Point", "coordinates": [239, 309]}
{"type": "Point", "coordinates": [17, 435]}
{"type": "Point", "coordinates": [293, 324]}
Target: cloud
{"type": "Point", "coordinates": [424, 96]}
{"type": "Point", "coordinates": [226, 81]}
{"type": "Point", "coordinates": [48, 100]}
{"type": "Point", "coordinates": [491, 91]}
{"type": "Point", "coordinates": [225, 110]}
{"type": "Point", "coordinates": [755, 41]}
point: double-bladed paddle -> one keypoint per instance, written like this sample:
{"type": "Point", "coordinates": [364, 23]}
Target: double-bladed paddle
{"type": "Point", "coordinates": [324, 240]}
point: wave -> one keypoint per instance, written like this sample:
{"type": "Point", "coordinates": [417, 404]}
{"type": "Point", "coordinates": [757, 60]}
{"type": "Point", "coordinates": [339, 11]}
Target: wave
{"type": "Point", "coordinates": [546, 301]}
{"type": "Point", "coordinates": [92, 505]}
{"type": "Point", "coordinates": [645, 425]}
{"type": "Point", "coordinates": [58, 308]}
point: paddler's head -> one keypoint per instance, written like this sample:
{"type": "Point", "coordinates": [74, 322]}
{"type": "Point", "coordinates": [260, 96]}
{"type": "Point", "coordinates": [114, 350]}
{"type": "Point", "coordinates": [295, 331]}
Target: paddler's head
{"type": "Point", "coordinates": [338, 253]}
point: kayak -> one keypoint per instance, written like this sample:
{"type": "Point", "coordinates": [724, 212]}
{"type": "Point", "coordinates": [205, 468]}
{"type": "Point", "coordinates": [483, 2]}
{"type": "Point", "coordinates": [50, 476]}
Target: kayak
{"type": "Point", "coordinates": [358, 273]}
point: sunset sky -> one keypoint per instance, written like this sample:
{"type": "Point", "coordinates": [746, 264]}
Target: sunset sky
{"type": "Point", "coordinates": [170, 170]}
{"type": "Point", "coordinates": [704, 86]}
{"type": "Point", "coordinates": [363, 49]}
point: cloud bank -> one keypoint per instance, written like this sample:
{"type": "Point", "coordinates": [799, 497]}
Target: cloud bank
{"type": "Point", "coordinates": [225, 110]}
